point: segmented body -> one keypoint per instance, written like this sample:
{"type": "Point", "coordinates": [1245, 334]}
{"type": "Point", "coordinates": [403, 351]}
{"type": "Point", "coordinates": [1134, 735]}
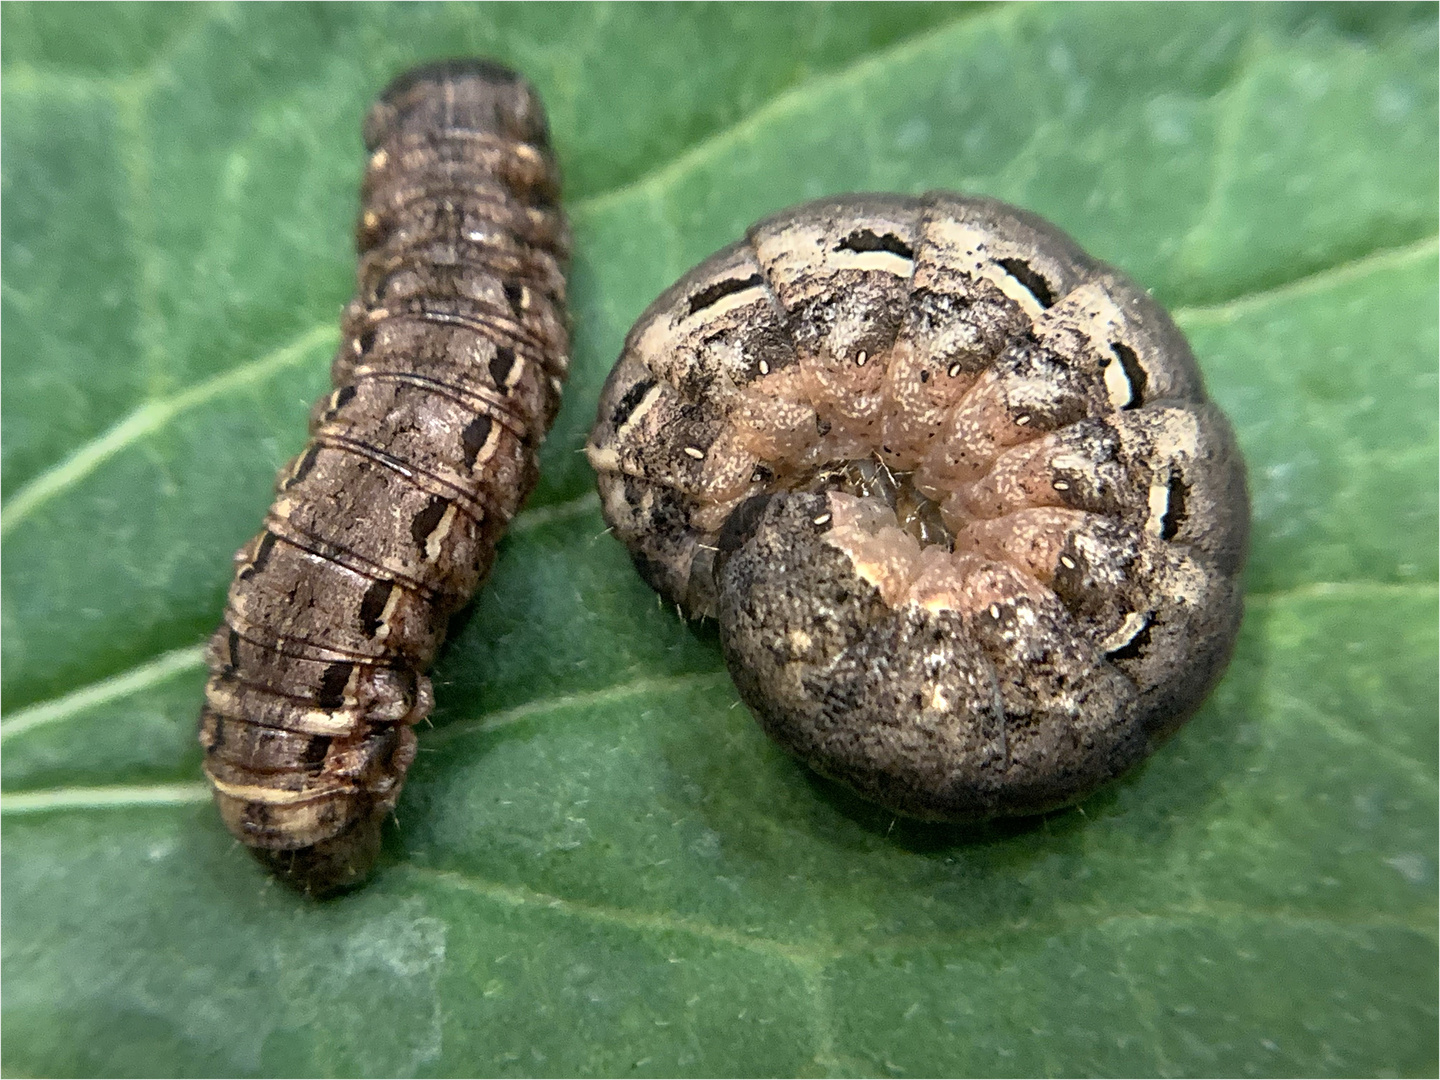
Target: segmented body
{"type": "Point", "coordinates": [953, 489]}
{"type": "Point", "coordinates": [449, 372]}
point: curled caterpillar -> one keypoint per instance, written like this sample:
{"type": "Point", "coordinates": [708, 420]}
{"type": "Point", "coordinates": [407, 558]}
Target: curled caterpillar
{"type": "Point", "coordinates": [449, 372]}
{"type": "Point", "coordinates": [953, 489]}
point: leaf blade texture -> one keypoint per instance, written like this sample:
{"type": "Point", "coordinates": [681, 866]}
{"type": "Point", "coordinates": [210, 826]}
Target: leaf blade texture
{"type": "Point", "coordinates": [602, 866]}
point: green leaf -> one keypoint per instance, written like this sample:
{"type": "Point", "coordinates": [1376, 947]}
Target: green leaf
{"type": "Point", "coordinates": [601, 866]}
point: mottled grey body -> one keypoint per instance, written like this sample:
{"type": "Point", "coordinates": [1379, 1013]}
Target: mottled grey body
{"type": "Point", "coordinates": [953, 489]}
{"type": "Point", "coordinates": [449, 372]}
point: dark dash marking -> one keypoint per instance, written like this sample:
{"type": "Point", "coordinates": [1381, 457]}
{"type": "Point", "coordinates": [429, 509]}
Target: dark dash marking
{"type": "Point", "coordinates": [1134, 372]}
{"type": "Point", "coordinates": [303, 466]}
{"type": "Point", "coordinates": [1174, 508]}
{"type": "Point", "coordinates": [1021, 271]}
{"type": "Point", "coordinates": [1133, 648]}
{"type": "Point", "coordinates": [474, 438]}
{"type": "Point", "coordinates": [332, 686]}
{"type": "Point", "coordinates": [514, 294]}
{"type": "Point", "coordinates": [262, 556]}
{"type": "Point", "coordinates": [372, 607]}
{"type": "Point", "coordinates": [632, 398]}
{"type": "Point", "coordinates": [868, 240]}
{"type": "Point", "coordinates": [232, 648]}
{"type": "Point", "coordinates": [714, 293]}
{"type": "Point", "coordinates": [501, 364]}
{"type": "Point", "coordinates": [340, 399]}
{"type": "Point", "coordinates": [315, 751]}
{"type": "Point", "coordinates": [423, 524]}
{"type": "Point", "coordinates": [741, 524]}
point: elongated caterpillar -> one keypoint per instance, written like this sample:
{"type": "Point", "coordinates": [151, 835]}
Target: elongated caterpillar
{"type": "Point", "coordinates": [449, 372]}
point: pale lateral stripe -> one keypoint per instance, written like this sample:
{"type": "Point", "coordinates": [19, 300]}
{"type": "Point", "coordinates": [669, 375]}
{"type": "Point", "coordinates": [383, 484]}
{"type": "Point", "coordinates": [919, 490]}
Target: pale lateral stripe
{"type": "Point", "coordinates": [275, 796]}
{"type": "Point", "coordinates": [637, 414]}
{"type": "Point", "coordinates": [1159, 506]}
{"type": "Point", "coordinates": [1132, 624]}
{"type": "Point", "coordinates": [1117, 384]}
{"type": "Point", "coordinates": [883, 261]}
{"type": "Point", "coordinates": [120, 796]}
{"type": "Point", "coordinates": [106, 690]}
{"type": "Point", "coordinates": [726, 304]}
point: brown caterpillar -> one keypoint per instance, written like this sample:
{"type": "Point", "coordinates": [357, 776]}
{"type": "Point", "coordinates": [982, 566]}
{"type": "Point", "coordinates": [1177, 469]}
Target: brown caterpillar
{"type": "Point", "coordinates": [972, 530]}
{"type": "Point", "coordinates": [449, 372]}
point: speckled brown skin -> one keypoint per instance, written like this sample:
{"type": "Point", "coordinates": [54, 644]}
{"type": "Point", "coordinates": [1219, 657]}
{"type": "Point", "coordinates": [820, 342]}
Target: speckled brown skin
{"type": "Point", "coordinates": [449, 372]}
{"type": "Point", "coordinates": [971, 529]}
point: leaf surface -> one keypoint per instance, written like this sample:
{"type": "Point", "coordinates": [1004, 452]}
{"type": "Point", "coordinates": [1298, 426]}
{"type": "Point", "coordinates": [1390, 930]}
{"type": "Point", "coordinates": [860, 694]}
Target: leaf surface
{"type": "Point", "coordinates": [602, 867]}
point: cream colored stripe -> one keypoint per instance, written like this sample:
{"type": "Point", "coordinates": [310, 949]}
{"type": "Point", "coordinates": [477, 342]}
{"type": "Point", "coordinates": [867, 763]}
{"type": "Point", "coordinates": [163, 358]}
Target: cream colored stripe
{"type": "Point", "coordinates": [274, 796]}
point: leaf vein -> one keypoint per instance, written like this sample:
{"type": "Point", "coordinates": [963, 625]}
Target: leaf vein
{"type": "Point", "coordinates": [118, 686]}
{"type": "Point", "coordinates": [1343, 272]}
{"type": "Point", "coordinates": [714, 144]}
{"type": "Point", "coordinates": [645, 921]}
{"type": "Point", "coordinates": [1237, 95]}
{"type": "Point", "coordinates": [117, 797]}
{"type": "Point", "coordinates": [1359, 741]}
{"type": "Point", "coordinates": [149, 418]}
{"type": "Point", "coordinates": [1341, 589]}
{"type": "Point", "coordinates": [582, 699]}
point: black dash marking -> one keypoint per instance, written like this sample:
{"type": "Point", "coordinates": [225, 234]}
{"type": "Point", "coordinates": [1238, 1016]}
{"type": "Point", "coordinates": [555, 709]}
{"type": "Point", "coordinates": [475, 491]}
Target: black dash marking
{"type": "Point", "coordinates": [924, 376]}
{"type": "Point", "coordinates": [367, 341]}
{"type": "Point", "coordinates": [302, 467]}
{"type": "Point", "coordinates": [1132, 649]}
{"type": "Point", "coordinates": [332, 686]}
{"type": "Point", "coordinates": [867, 240]}
{"type": "Point", "coordinates": [1133, 372]}
{"type": "Point", "coordinates": [1021, 271]}
{"type": "Point", "coordinates": [515, 294]}
{"type": "Point", "coordinates": [1174, 515]}
{"type": "Point", "coordinates": [317, 748]}
{"type": "Point", "coordinates": [232, 648]}
{"type": "Point", "coordinates": [262, 555]}
{"type": "Point", "coordinates": [628, 403]}
{"type": "Point", "coordinates": [742, 523]}
{"type": "Point", "coordinates": [372, 607]}
{"type": "Point", "coordinates": [474, 437]}
{"type": "Point", "coordinates": [423, 524]}
{"type": "Point", "coordinates": [500, 366]}
{"type": "Point", "coordinates": [342, 398]}
{"type": "Point", "coordinates": [712, 294]}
